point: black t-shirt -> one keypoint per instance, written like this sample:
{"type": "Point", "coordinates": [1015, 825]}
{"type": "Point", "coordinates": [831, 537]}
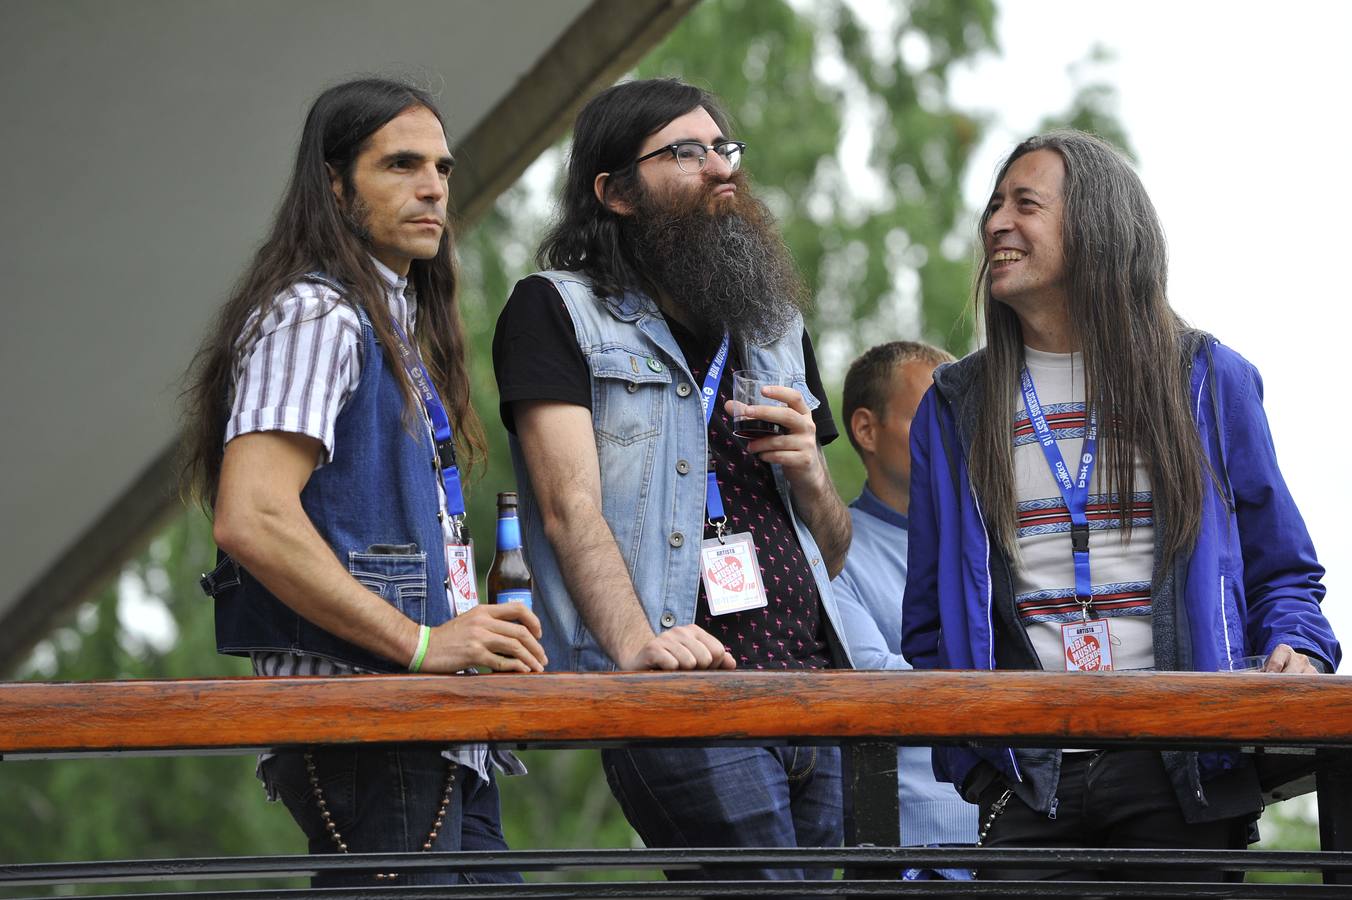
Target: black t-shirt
{"type": "Point", "coordinates": [536, 357]}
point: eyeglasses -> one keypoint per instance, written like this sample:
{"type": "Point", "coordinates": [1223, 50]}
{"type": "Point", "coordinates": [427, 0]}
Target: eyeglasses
{"type": "Point", "coordinates": [692, 155]}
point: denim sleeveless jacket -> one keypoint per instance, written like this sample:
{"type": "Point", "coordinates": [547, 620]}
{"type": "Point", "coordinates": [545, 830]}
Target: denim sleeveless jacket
{"type": "Point", "coordinates": [651, 441]}
{"type": "Point", "coordinates": [376, 504]}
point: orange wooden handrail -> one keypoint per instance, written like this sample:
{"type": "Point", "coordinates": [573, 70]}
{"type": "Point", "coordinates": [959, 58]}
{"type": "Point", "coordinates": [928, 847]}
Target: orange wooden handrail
{"type": "Point", "coordinates": [1028, 708]}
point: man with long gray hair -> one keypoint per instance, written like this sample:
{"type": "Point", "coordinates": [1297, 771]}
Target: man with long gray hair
{"type": "Point", "coordinates": [1125, 512]}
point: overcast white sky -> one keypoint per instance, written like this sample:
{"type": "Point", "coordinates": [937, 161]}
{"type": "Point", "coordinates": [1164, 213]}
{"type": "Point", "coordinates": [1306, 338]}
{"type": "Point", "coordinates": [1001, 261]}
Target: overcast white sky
{"type": "Point", "coordinates": [1238, 113]}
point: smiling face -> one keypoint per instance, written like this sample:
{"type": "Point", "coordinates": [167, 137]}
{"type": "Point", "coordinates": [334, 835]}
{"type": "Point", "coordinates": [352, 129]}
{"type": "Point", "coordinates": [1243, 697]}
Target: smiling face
{"type": "Point", "coordinates": [1022, 234]}
{"type": "Point", "coordinates": [398, 189]}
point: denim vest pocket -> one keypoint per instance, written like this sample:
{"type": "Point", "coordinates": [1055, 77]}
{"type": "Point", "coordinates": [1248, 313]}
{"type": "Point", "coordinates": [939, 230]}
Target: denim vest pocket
{"type": "Point", "coordinates": [628, 387]}
{"type": "Point", "coordinates": [399, 578]}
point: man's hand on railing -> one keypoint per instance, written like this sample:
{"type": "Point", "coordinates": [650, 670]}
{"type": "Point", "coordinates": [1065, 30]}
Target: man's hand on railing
{"type": "Point", "coordinates": [502, 638]}
{"type": "Point", "coordinates": [1289, 661]}
{"type": "Point", "coordinates": [681, 648]}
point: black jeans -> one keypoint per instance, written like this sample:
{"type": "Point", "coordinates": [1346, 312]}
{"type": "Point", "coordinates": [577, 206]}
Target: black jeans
{"type": "Point", "coordinates": [1106, 798]}
{"type": "Point", "coordinates": [385, 798]}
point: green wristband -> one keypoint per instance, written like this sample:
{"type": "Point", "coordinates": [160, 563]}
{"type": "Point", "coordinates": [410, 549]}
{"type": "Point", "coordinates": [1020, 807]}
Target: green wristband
{"type": "Point", "coordinates": [424, 638]}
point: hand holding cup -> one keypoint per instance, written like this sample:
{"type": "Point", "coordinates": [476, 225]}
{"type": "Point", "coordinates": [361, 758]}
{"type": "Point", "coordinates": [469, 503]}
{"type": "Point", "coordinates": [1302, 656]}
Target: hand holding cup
{"type": "Point", "coordinates": [747, 391]}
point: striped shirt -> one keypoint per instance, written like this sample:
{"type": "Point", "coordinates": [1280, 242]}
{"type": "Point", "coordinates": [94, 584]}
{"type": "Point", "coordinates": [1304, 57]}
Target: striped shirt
{"type": "Point", "coordinates": [298, 361]}
{"type": "Point", "coordinates": [1044, 575]}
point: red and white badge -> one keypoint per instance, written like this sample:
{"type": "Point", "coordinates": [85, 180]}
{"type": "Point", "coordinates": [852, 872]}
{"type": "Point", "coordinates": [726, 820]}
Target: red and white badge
{"type": "Point", "coordinates": [731, 573]}
{"type": "Point", "coordinates": [462, 584]}
{"type": "Point", "coordinates": [1088, 646]}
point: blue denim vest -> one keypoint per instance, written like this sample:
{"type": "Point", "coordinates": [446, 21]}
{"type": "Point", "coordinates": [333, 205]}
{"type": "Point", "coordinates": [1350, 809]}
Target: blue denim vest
{"type": "Point", "coordinates": [651, 441]}
{"type": "Point", "coordinates": [376, 504]}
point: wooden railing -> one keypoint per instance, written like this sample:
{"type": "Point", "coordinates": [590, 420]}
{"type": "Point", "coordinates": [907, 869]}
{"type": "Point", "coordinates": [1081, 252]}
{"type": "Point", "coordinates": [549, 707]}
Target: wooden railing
{"type": "Point", "coordinates": [866, 712]}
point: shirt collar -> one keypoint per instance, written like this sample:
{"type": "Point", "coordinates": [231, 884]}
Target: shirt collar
{"type": "Point", "coordinates": [868, 502]}
{"type": "Point", "coordinates": [403, 302]}
{"type": "Point", "coordinates": [1049, 360]}
{"type": "Point", "coordinates": [392, 281]}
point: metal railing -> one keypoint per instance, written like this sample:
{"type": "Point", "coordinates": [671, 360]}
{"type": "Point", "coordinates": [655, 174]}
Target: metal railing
{"type": "Point", "coordinates": [1303, 725]}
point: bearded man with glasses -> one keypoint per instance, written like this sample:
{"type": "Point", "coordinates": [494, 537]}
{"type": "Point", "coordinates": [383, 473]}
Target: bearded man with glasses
{"type": "Point", "coordinates": [663, 273]}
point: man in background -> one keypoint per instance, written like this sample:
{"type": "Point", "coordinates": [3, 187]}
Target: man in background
{"type": "Point", "coordinates": [882, 390]}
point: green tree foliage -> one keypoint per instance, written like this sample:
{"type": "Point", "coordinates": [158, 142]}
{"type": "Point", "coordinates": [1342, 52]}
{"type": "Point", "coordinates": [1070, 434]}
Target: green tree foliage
{"type": "Point", "coordinates": [153, 622]}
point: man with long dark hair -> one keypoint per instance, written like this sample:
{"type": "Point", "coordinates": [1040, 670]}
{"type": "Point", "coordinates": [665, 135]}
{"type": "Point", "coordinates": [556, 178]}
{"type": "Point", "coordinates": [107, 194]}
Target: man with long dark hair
{"type": "Point", "coordinates": [658, 538]}
{"type": "Point", "coordinates": [332, 375]}
{"type": "Point", "coordinates": [1096, 489]}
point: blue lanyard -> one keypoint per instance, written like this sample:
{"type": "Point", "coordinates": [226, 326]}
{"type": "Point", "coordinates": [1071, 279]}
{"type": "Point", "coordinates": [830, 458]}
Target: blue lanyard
{"type": "Point", "coordinates": [1075, 493]}
{"type": "Point", "coordinates": [441, 425]}
{"type": "Point", "coordinates": [713, 501]}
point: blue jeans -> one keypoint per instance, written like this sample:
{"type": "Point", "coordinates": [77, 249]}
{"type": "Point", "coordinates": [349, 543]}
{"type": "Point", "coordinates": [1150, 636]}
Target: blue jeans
{"type": "Point", "coordinates": [730, 797]}
{"type": "Point", "coordinates": [385, 798]}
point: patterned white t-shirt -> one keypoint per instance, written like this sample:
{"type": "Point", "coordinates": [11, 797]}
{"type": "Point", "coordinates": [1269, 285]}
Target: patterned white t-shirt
{"type": "Point", "coordinates": [1044, 574]}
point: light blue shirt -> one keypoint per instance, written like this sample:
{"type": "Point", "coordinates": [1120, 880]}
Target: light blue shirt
{"type": "Point", "coordinates": [868, 594]}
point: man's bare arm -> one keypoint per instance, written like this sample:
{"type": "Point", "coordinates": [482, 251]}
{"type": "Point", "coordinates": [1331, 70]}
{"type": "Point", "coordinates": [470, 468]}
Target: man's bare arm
{"type": "Point", "coordinates": [260, 522]}
{"type": "Point", "coordinates": [560, 451]}
{"type": "Point", "coordinates": [826, 516]}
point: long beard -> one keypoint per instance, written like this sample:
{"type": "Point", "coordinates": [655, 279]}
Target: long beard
{"type": "Point", "coordinates": [726, 269]}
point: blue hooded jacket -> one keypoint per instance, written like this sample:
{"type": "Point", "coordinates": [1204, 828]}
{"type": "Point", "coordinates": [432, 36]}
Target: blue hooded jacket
{"type": "Point", "coordinates": [1251, 582]}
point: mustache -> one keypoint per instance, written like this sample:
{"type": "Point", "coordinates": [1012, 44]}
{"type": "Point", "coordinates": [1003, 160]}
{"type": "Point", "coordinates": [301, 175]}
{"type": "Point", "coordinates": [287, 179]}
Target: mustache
{"type": "Point", "coordinates": [735, 204]}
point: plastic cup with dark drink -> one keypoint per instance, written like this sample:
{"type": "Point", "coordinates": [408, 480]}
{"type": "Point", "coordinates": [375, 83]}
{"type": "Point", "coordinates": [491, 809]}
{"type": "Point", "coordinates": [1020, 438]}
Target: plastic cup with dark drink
{"type": "Point", "coordinates": [746, 391]}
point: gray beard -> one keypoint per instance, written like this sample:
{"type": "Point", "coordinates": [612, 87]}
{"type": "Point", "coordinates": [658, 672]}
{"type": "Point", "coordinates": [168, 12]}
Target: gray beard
{"type": "Point", "coordinates": [724, 271]}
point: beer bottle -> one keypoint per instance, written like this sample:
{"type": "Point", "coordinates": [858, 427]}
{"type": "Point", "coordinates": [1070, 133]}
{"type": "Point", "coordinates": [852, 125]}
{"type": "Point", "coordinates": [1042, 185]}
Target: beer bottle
{"type": "Point", "coordinates": [509, 579]}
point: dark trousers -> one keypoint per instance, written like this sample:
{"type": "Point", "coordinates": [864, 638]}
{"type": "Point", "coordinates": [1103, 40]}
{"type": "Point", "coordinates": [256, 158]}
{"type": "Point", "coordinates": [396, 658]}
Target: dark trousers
{"type": "Point", "coordinates": [384, 799]}
{"type": "Point", "coordinates": [1107, 798]}
{"type": "Point", "coordinates": [730, 797]}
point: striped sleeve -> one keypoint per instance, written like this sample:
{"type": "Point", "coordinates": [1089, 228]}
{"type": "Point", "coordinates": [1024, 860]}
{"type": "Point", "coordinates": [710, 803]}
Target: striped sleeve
{"type": "Point", "coordinates": [299, 360]}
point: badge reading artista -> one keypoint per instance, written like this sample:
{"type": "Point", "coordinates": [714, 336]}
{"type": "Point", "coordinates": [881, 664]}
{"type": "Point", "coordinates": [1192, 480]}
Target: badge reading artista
{"type": "Point", "coordinates": [1087, 646]}
{"type": "Point", "coordinates": [731, 574]}
{"type": "Point", "coordinates": [463, 584]}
